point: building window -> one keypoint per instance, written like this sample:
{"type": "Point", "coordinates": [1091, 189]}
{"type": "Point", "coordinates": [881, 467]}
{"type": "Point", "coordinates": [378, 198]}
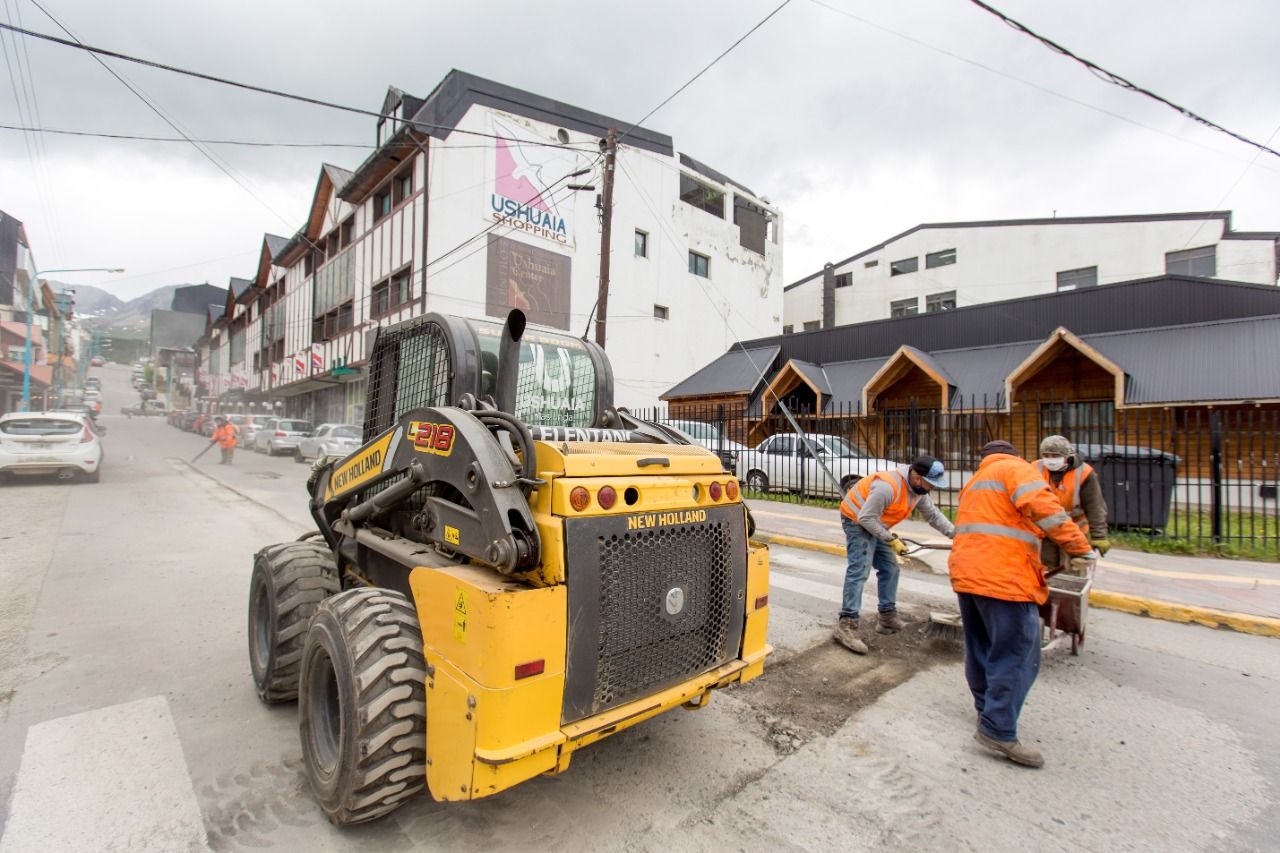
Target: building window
{"type": "Point", "coordinates": [402, 185]}
{"type": "Point", "coordinates": [1083, 277]}
{"type": "Point", "coordinates": [869, 264]}
{"type": "Point", "coordinates": [642, 243]}
{"type": "Point", "coordinates": [382, 204]}
{"type": "Point", "coordinates": [937, 302]}
{"type": "Point", "coordinates": [904, 307]}
{"type": "Point", "coordinates": [661, 312]}
{"type": "Point", "coordinates": [1200, 262]}
{"type": "Point", "coordinates": [699, 264]}
{"type": "Point", "coordinates": [331, 243]}
{"type": "Point", "coordinates": [308, 269]}
{"type": "Point", "coordinates": [845, 279]}
{"type": "Point", "coordinates": [940, 259]}
{"type": "Point", "coordinates": [753, 224]}
{"type": "Point", "coordinates": [904, 266]}
{"type": "Point", "coordinates": [701, 196]}
{"type": "Point", "coordinates": [812, 325]}
{"type": "Point", "coordinates": [788, 329]}
{"type": "Point", "coordinates": [391, 294]}
{"type": "Point", "coordinates": [348, 231]}
{"type": "Point", "coordinates": [1082, 423]}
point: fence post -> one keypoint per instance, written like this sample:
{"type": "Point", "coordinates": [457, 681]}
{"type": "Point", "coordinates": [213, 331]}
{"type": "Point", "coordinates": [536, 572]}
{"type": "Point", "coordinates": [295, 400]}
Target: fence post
{"type": "Point", "coordinates": [1215, 475]}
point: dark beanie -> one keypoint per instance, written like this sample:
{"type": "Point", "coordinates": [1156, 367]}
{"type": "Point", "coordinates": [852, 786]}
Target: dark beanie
{"type": "Point", "coordinates": [997, 446]}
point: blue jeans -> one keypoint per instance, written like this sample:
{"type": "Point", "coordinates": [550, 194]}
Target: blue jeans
{"type": "Point", "coordinates": [1001, 659]}
{"type": "Point", "coordinates": [863, 551]}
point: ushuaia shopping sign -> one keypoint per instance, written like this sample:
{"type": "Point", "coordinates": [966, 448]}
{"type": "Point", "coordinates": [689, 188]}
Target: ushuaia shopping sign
{"type": "Point", "coordinates": [519, 197]}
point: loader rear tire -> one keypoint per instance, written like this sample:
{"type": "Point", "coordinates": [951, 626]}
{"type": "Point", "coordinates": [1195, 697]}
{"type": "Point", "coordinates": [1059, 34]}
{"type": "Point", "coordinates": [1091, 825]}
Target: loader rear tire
{"type": "Point", "coordinates": [362, 704]}
{"type": "Point", "coordinates": [289, 581]}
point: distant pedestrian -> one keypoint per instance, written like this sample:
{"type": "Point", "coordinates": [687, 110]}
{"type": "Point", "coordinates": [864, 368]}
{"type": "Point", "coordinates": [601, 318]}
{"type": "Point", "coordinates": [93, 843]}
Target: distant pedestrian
{"type": "Point", "coordinates": [1079, 489]}
{"type": "Point", "coordinates": [1004, 512]}
{"type": "Point", "coordinates": [224, 435]}
{"type": "Point", "coordinates": [871, 508]}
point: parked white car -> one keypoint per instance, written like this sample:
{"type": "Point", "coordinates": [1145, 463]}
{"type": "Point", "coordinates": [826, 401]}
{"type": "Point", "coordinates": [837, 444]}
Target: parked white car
{"type": "Point", "coordinates": [328, 440]}
{"type": "Point", "coordinates": [280, 435]}
{"type": "Point", "coordinates": [780, 463]}
{"type": "Point", "coordinates": [50, 443]}
{"type": "Point", "coordinates": [710, 437]}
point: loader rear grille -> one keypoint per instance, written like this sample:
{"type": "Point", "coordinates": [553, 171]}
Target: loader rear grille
{"type": "Point", "coordinates": [659, 606]}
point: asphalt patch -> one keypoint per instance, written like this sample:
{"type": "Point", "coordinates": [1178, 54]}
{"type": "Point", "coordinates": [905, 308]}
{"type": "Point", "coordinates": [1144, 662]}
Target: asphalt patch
{"type": "Point", "coordinates": [812, 694]}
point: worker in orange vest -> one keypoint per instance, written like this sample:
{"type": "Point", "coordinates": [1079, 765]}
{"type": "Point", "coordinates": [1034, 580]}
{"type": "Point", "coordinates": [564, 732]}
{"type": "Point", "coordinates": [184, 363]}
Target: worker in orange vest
{"type": "Point", "coordinates": [1004, 512]}
{"type": "Point", "coordinates": [1079, 490]}
{"type": "Point", "coordinates": [871, 508]}
{"type": "Point", "coordinates": [224, 435]}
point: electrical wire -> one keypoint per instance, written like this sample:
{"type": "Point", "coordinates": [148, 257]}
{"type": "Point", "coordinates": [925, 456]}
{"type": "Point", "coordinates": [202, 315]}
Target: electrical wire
{"type": "Point", "coordinates": [1118, 80]}
{"type": "Point", "coordinates": [212, 78]}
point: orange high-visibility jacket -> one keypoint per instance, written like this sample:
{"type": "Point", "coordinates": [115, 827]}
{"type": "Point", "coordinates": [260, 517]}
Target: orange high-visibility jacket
{"type": "Point", "coordinates": [225, 435]}
{"type": "Point", "coordinates": [1004, 512]}
{"type": "Point", "coordinates": [904, 500]}
{"type": "Point", "coordinates": [1068, 491]}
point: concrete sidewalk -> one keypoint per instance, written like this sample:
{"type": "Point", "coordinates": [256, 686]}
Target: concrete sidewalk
{"type": "Point", "coordinates": [1236, 594]}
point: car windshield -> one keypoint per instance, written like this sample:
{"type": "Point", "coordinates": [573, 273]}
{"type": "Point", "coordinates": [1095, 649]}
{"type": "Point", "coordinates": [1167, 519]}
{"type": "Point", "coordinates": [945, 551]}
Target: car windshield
{"type": "Point", "coordinates": [346, 432]}
{"type": "Point", "coordinates": [837, 446]}
{"type": "Point", "coordinates": [40, 426]}
{"type": "Point", "coordinates": [294, 426]}
{"type": "Point", "coordinates": [698, 429]}
{"type": "Point", "coordinates": [239, 420]}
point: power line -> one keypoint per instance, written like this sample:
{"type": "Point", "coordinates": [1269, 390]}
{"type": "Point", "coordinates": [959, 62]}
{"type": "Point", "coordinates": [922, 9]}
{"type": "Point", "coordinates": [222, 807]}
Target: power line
{"type": "Point", "coordinates": [212, 78]}
{"type": "Point", "coordinates": [705, 69]}
{"type": "Point", "coordinates": [1118, 80]}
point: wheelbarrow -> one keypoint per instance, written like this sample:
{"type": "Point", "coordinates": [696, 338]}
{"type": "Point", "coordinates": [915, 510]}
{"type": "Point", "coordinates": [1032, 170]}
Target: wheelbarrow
{"type": "Point", "coordinates": [1067, 610]}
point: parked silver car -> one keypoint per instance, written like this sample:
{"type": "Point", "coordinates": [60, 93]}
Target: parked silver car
{"type": "Point", "coordinates": [328, 440]}
{"type": "Point", "coordinates": [280, 435]}
{"type": "Point", "coordinates": [782, 462]}
{"type": "Point", "coordinates": [248, 426]}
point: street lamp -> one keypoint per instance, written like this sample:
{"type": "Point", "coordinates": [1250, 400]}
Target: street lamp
{"type": "Point", "coordinates": [26, 366]}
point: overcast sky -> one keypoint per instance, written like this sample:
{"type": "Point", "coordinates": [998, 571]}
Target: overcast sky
{"type": "Point", "coordinates": [854, 132]}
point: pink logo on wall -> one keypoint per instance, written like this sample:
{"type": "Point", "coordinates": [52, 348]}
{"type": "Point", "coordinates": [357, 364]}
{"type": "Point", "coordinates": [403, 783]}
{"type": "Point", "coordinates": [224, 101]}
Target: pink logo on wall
{"type": "Point", "coordinates": [527, 181]}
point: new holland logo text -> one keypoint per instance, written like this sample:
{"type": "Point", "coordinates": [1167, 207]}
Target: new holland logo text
{"type": "Point", "coordinates": [431, 438]}
{"type": "Point", "coordinates": [356, 470]}
{"type": "Point", "coordinates": [661, 519]}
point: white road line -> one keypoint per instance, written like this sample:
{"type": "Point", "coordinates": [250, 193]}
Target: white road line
{"type": "Point", "coordinates": [111, 779]}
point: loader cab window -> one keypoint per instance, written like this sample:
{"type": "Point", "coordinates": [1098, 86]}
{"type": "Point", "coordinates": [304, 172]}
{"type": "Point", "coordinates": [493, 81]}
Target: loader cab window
{"type": "Point", "coordinates": [556, 383]}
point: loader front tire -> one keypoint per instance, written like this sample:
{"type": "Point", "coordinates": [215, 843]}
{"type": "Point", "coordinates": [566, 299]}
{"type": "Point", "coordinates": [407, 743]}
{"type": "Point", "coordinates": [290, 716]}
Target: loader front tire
{"type": "Point", "coordinates": [362, 704]}
{"type": "Point", "coordinates": [289, 581]}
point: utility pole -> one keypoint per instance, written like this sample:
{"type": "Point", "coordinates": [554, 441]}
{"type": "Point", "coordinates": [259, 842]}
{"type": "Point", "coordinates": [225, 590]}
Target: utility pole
{"type": "Point", "coordinates": [610, 145]}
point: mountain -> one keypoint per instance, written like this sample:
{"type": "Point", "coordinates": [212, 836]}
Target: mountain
{"type": "Point", "coordinates": [130, 319]}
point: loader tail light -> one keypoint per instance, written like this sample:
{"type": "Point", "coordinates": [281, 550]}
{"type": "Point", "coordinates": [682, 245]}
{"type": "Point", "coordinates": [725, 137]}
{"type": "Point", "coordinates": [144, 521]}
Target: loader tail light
{"type": "Point", "coordinates": [607, 497]}
{"type": "Point", "coordinates": [715, 491]}
{"type": "Point", "coordinates": [533, 667]}
{"type": "Point", "coordinates": [579, 498]}
{"type": "Point", "coordinates": [281, 434]}
{"type": "Point", "coordinates": [731, 490]}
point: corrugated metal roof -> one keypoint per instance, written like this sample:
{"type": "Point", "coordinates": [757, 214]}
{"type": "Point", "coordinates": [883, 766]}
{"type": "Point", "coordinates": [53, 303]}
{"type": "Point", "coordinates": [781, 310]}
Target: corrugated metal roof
{"type": "Point", "coordinates": [275, 243]}
{"type": "Point", "coordinates": [815, 375]}
{"type": "Point", "coordinates": [1204, 362]}
{"type": "Point", "coordinates": [848, 378]}
{"type": "Point", "coordinates": [239, 285]}
{"type": "Point", "coordinates": [338, 175]}
{"type": "Point", "coordinates": [736, 372]}
{"type": "Point", "coordinates": [932, 363]}
{"type": "Point", "coordinates": [979, 372]}
{"type": "Point", "coordinates": [1141, 304]}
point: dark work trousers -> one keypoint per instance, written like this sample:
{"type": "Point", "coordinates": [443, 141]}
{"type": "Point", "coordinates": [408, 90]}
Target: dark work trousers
{"type": "Point", "coordinates": [1001, 659]}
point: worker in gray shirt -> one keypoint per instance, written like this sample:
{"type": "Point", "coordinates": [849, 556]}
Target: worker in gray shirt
{"type": "Point", "coordinates": [870, 510]}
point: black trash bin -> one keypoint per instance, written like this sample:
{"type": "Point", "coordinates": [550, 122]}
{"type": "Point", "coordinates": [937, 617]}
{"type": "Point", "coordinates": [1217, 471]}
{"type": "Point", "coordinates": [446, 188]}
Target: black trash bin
{"type": "Point", "coordinates": [1137, 483]}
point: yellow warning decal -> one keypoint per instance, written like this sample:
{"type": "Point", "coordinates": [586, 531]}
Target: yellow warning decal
{"type": "Point", "coordinates": [360, 468]}
{"type": "Point", "coordinates": [460, 617]}
{"type": "Point", "coordinates": [451, 535]}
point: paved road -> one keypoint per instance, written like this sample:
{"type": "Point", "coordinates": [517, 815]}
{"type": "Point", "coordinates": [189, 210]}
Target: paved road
{"type": "Point", "coordinates": [128, 719]}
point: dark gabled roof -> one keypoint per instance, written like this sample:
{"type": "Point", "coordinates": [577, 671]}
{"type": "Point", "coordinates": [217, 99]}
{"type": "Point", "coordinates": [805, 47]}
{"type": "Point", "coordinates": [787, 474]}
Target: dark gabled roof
{"type": "Point", "coordinates": [739, 371]}
{"type": "Point", "coordinates": [239, 286]}
{"type": "Point", "coordinates": [1167, 300]}
{"type": "Point", "coordinates": [932, 364]}
{"type": "Point", "coordinates": [338, 175]}
{"type": "Point", "coordinates": [814, 375]}
{"type": "Point", "coordinates": [195, 298]}
{"type": "Point", "coordinates": [1221, 360]}
{"type": "Point", "coordinates": [1223, 215]}
{"type": "Point", "coordinates": [275, 243]}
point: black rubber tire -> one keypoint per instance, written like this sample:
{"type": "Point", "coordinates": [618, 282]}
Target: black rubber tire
{"type": "Point", "coordinates": [362, 708]}
{"type": "Point", "coordinates": [93, 477]}
{"type": "Point", "coordinates": [757, 481]}
{"type": "Point", "coordinates": [297, 455]}
{"type": "Point", "coordinates": [288, 583]}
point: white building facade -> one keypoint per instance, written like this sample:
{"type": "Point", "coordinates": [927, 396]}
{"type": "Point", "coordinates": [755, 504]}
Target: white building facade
{"type": "Point", "coordinates": [482, 198]}
{"type": "Point", "coordinates": [939, 266]}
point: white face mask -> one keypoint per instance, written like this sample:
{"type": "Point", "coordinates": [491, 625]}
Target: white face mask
{"type": "Point", "coordinates": [1054, 463]}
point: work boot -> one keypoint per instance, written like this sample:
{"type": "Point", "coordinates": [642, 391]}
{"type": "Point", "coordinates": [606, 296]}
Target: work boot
{"type": "Point", "coordinates": [889, 622]}
{"type": "Point", "coordinates": [1012, 750]}
{"type": "Point", "coordinates": [846, 634]}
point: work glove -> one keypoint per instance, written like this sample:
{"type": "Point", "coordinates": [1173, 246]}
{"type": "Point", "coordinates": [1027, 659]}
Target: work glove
{"type": "Point", "coordinates": [899, 547]}
{"type": "Point", "coordinates": [1079, 566]}
{"type": "Point", "coordinates": [1102, 545]}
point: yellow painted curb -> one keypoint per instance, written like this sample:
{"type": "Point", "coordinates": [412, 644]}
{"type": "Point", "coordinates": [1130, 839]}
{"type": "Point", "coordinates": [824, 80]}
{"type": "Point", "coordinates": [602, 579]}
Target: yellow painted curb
{"type": "Point", "coordinates": [1156, 609]}
{"type": "Point", "coordinates": [1210, 618]}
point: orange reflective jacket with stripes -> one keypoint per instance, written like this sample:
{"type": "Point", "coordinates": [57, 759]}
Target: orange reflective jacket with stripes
{"type": "Point", "coordinates": [904, 501]}
{"type": "Point", "coordinates": [1004, 512]}
{"type": "Point", "coordinates": [1068, 491]}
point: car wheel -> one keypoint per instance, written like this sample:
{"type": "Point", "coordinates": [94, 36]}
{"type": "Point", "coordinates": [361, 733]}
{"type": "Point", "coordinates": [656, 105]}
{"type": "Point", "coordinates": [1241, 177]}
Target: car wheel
{"type": "Point", "coordinates": [757, 481]}
{"type": "Point", "coordinates": [93, 476]}
{"type": "Point", "coordinates": [297, 455]}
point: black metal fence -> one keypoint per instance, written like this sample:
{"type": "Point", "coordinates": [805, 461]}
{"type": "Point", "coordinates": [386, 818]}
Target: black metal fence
{"type": "Point", "coordinates": [1200, 477]}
